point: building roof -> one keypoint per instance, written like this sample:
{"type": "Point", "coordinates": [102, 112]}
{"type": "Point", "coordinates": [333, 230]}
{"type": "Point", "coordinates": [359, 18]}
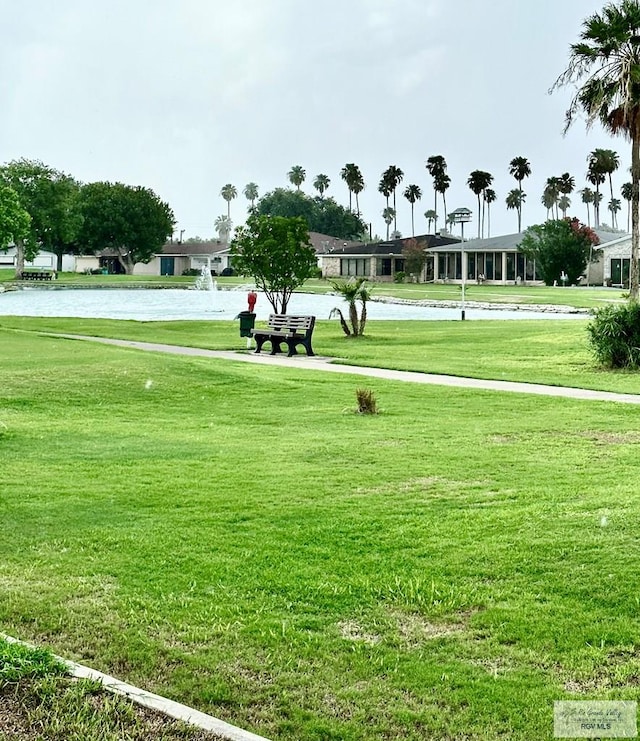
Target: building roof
{"type": "Point", "coordinates": [510, 242]}
{"type": "Point", "coordinates": [391, 247]}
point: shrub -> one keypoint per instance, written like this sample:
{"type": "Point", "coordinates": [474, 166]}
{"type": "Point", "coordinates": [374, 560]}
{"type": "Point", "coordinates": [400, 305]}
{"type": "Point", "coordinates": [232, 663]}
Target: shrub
{"type": "Point", "coordinates": [614, 335]}
{"type": "Point", "coordinates": [367, 403]}
{"type": "Point", "coordinates": [191, 272]}
{"type": "Point", "coordinates": [399, 277]}
{"type": "Point", "coordinates": [227, 272]}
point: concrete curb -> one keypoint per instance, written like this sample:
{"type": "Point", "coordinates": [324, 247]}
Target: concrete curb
{"type": "Point", "coordinates": [154, 702]}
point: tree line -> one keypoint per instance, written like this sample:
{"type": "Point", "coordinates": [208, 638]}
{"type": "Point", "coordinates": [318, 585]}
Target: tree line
{"type": "Point", "coordinates": [42, 208]}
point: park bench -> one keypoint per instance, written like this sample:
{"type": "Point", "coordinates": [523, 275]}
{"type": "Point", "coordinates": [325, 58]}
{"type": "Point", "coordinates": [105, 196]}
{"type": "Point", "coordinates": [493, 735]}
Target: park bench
{"type": "Point", "coordinates": [37, 275]}
{"type": "Point", "coordinates": [285, 328]}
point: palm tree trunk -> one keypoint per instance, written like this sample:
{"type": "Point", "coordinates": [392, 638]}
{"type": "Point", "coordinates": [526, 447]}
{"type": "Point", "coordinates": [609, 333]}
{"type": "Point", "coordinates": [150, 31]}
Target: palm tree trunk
{"type": "Point", "coordinates": [635, 196]}
{"type": "Point", "coordinates": [357, 206]}
{"type": "Point", "coordinates": [520, 207]}
{"type": "Point", "coordinates": [488, 221]}
{"type": "Point", "coordinates": [614, 220]}
{"type": "Point", "coordinates": [395, 212]}
{"type": "Point", "coordinates": [363, 317]}
{"type": "Point", "coordinates": [413, 229]}
{"type": "Point", "coordinates": [588, 216]}
{"type": "Point", "coordinates": [353, 317]}
{"type": "Point", "coordinates": [479, 220]}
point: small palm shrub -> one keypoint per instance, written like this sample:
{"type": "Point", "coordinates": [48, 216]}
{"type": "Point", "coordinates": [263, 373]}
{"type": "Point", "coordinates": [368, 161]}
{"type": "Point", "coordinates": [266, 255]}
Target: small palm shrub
{"type": "Point", "coordinates": [399, 277]}
{"type": "Point", "coordinates": [614, 335]}
{"type": "Point", "coordinates": [367, 403]}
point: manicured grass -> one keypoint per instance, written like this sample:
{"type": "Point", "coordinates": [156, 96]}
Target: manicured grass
{"type": "Point", "coordinates": [553, 352]}
{"type": "Point", "coordinates": [238, 539]}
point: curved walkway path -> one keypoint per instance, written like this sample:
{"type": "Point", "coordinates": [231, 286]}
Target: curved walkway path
{"type": "Point", "coordinates": [329, 365]}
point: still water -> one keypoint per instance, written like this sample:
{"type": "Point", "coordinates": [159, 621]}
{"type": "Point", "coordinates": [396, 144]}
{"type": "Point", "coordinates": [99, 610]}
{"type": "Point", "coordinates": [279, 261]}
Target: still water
{"type": "Point", "coordinates": [172, 304]}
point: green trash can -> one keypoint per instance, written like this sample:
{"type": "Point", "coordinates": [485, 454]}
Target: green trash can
{"type": "Point", "coordinates": [247, 323]}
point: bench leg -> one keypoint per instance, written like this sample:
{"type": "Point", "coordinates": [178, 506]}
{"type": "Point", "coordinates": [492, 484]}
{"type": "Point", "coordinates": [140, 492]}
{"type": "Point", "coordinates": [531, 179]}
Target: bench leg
{"type": "Point", "coordinates": [260, 340]}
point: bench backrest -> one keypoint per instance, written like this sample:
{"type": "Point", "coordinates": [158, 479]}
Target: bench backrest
{"type": "Point", "coordinates": [291, 323]}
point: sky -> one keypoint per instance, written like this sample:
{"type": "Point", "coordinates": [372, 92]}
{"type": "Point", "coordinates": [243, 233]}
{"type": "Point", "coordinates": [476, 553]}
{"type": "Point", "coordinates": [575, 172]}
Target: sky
{"type": "Point", "coordinates": [185, 96]}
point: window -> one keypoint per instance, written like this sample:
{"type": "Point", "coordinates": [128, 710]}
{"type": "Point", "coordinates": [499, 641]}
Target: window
{"type": "Point", "coordinates": [497, 266]}
{"type": "Point", "coordinates": [511, 265]}
{"type": "Point", "coordinates": [355, 266]}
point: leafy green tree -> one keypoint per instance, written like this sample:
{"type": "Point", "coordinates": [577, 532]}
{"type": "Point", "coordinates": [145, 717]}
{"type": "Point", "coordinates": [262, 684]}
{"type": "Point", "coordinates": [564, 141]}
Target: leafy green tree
{"type": "Point", "coordinates": [322, 215]}
{"type": "Point", "coordinates": [519, 168]}
{"type": "Point", "coordinates": [131, 221]}
{"type": "Point", "coordinates": [229, 192]}
{"type": "Point", "coordinates": [250, 192]}
{"type": "Point", "coordinates": [606, 61]}
{"type": "Point", "coordinates": [561, 246]}
{"type": "Point", "coordinates": [297, 175]}
{"type": "Point", "coordinates": [415, 257]}
{"type": "Point", "coordinates": [277, 253]}
{"type": "Point", "coordinates": [412, 193]}
{"type": "Point", "coordinates": [51, 199]}
{"type": "Point", "coordinates": [352, 291]}
{"type": "Point", "coordinates": [321, 183]}
{"type": "Point", "coordinates": [514, 201]}
{"type": "Point", "coordinates": [15, 222]}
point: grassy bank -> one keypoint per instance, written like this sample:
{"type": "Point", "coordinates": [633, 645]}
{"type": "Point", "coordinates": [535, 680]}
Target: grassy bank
{"type": "Point", "coordinates": [237, 539]}
{"type": "Point", "coordinates": [548, 351]}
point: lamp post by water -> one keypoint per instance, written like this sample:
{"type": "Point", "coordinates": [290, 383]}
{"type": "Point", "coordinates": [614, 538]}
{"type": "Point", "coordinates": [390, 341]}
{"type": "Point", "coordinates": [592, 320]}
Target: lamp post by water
{"type": "Point", "coordinates": [462, 216]}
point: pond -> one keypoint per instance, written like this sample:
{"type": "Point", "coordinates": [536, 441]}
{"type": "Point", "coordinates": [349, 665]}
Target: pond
{"type": "Point", "coordinates": [175, 304]}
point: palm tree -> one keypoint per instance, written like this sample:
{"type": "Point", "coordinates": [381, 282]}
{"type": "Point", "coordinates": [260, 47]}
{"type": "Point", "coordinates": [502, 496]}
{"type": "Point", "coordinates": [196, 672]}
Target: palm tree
{"type": "Point", "coordinates": [393, 175]}
{"type": "Point", "coordinates": [223, 226]}
{"type": "Point", "coordinates": [437, 168]}
{"type": "Point", "coordinates": [250, 192]}
{"type": "Point", "coordinates": [608, 162]}
{"type": "Point", "coordinates": [321, 183]}
{"type": "Point", "coordinates": [596, 177]}
{"type": "Point", "coordinates": [351, 175]}
{"type": "Point", "coordinates": [228, 192]}
{"type": "Point", "coordinates": [520, 168]}
{"type": "Point", "coordinates": [567, 184]}
{"type": "Point", "coordinates": [297, 176]}
{"type": "Point", "coordinates": [352, 290]}
{"type": "Point", "coordinates": [479, 181]}
{"type": "Point", "coordinates": [587, 197]}
{"type": "Point", "coordinates": [608, 56]}
{"type": "Point", "coordinates": [357, 186]}
{"type": "Point", "coordinates": [564, 203]}
{"type": "Point", "coordinates": [489, 198]}
{"type": "Point", "coordinates": [549, 200]}
{"type": "Point", "coordinates": [432, 217]}
{"type": "Point", "coordinates": [385, 187]}
{"type": "Point", "coordinates": [441, 184]}
{"type": "Point", "coordinates": [514, 200]}
{"type": "Point", "coordinates": [388, 214]}
{"type": "Point", "coordinates": [552, 193]}
{"type": "Point", "coordinates": [614, 206]}
{"type": "Point", "coordinates": [627, 194]}
{"type": "Point", "coordinates": [412, 193]}
{"type": "Point", "coordinates": [451, 221]}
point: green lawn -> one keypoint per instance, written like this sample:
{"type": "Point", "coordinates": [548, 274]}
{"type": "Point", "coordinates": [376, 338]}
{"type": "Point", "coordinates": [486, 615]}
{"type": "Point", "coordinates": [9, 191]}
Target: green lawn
{"type": "Point", "coordinates": [238, 539]}
{"type": "Point", "coordinates": [554, 352]}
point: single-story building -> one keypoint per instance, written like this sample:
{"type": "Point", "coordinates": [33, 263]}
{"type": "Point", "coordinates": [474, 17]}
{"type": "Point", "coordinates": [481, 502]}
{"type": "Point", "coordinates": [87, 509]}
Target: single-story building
{"type": "Point", "coordinates": [176, 257]}
{"type": "Point", "coordinates": [379, 261]}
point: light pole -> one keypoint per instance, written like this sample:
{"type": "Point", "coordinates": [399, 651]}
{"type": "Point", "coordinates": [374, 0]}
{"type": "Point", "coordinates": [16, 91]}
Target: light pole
{"type": "Point", "coordinates": [462, 216]}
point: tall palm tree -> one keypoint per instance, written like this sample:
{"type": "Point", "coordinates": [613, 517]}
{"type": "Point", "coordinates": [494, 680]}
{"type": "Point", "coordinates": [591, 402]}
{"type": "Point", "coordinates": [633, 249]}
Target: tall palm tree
{"type": "Point", "coordinates": [385, 187]}
{"type": "Point", "coordinates": [388, 214]}
{"type": "Point", "coordinates": [412, 193]}
{"type": "Point", "coordinates": [587, 197]}
{"type": "Point", "coordinates": [567, 184]}
{"type": "Point", "coordinates": [479, 181]}
{"type": "Point", "coordinates": [432, 218]}
{"type": "Point", "coordinates": [615, 204]}
{"type": "Point", "coordinates": [297, 176]}
{"type": "Point", "coordinates": [321, 183]}
{"type": "Point", "coordinates": [608, 163]}
{"type": "Point", "coordinates": [490, 197]}
{"type": "Point", "coordinates": [514, 200]}
{"type": "Point", "coordinates": [608, 56]}
{"type": "Point", "coordinates": [357, 186]}
{"type": "Point", "coordinates": [549, 200]}
{"type": "Point", "coordinates": [564, 204]}
{"type": "Point", "coordinates": [441, 184]}
{"type": "Point", "coordinates": [228, 192]}
{"type": "Point", "coordinates": [627, 194]}
{"type": "Point", "coordinates": [437, 168]}
{"type": "Point", "coordinates": [552, 193]}
{"type": "Point", "coordinates": [520, 168]}
{"type": "Point", "coordinates": [250, 192]}
{"type": "Point", "coordinates": [394, 176]}
{"type": "Point", "coordinates": [351, 175]}
{"type": "Point", "coordinates": [223, 225]}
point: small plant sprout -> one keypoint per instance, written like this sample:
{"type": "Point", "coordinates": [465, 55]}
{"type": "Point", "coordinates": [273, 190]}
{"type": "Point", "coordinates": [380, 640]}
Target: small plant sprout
{"type": "Point", "coordinates": [367, 403]}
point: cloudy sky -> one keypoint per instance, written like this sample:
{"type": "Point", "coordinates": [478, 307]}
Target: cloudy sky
{"type": "Point", "coordinates": [183, 96]}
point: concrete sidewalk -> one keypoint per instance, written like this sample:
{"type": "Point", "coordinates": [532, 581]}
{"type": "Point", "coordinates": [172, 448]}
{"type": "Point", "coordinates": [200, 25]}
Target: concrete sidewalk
{"type": "Point", "coordinates": [328, 365]}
